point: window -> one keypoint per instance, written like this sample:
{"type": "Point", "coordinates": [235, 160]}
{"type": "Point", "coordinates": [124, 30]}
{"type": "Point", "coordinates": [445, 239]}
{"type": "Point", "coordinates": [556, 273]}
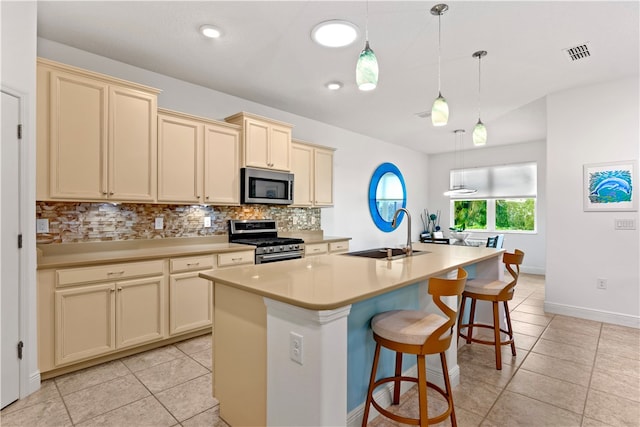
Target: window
{"type": "Point", "coordinates": [505, 200]}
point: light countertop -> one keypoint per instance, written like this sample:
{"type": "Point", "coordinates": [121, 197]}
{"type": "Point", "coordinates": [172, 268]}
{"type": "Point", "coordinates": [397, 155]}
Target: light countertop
{"type": "Point", "coordinates": [95, 253]}
{"type": "Point", "coordinates": [327, 282]}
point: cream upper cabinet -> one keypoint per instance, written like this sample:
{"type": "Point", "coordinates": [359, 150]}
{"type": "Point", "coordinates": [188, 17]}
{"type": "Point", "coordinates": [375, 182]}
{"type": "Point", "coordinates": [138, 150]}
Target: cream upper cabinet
{"type": "Point", "coordinates": [198, 160]}
{"type": "Point", "coordinates": [302, 169]}
{"type": "Point", "coordinates": [221, 164]}
{"type": "Point", "coordinates": [266, 142]}
{"type": "Point", "coordinates": [96, 136]}
{"type": "Point", "coordinates": [180, 166]}
{"type": "Point", "coordinates": [312, 167]}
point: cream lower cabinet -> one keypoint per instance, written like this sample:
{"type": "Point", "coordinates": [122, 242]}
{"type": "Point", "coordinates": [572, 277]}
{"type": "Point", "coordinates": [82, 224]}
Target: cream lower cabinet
{"type": "Point", "coordinates": [190, 297]}
{"type": "Point", "coordinates": [96, 319]}
{"type": "Point", "coordinates": [198, 160]}
{"type": "Point", "coordinates": [324, 248]}
{"type": "Point", "coordinates": [96, 136]}
{"type": "Point", "coordinates": [312, 167]}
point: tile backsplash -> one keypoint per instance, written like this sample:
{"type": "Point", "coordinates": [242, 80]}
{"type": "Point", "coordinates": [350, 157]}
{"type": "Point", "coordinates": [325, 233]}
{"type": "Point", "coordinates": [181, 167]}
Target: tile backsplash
{"type": "Point", "coordinates": [71, 222]}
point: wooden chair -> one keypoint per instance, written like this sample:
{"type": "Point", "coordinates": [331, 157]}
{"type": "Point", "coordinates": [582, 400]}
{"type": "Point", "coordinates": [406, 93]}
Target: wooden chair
{"type": "Point", "coordinates": [419, 333]}
{"type": "Point", "coordinates": [496, 292]}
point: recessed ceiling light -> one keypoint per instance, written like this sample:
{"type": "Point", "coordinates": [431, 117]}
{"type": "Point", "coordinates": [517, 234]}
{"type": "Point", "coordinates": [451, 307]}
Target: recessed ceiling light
{"type": "Point", "coordinates": [334, 33]}
{"type": "Point", "coordinates": [333, 85]}
{"type": "Point", "coordinates": [210, 31]}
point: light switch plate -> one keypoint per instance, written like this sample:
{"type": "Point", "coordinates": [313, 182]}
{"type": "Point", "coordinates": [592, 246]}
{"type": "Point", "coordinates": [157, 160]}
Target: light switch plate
{"type": "Point", "coordinates": [625, 224]}
{"type": "Point", "coordinates": [42, 225]}
{"type": "Point", "coordinates": [159, 223]}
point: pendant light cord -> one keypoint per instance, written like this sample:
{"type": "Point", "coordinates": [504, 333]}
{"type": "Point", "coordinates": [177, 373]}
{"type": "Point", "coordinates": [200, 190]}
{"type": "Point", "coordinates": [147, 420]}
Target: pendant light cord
{"type": "Point", "coordinates": [366, 24]}
{"type": "Point", "coordinates": [439, 51]}
{"type": "Point", "coordinates": [479, 83]}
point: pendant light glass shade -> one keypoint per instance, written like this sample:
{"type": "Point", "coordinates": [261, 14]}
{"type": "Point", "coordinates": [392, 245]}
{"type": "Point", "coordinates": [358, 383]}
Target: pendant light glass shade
{"type": "Point", "coordinates": [440, 111]}
{"type": "Point", "coordinates": [479, 133]}
{"type": "Point", "coordinates": [480, 130]}
{"type": "Point", "coordinates": [367, 69]}
{"type": "Point", "coordinates": [440, 108]}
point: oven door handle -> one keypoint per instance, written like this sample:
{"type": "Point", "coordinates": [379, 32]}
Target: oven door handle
{"type": "Point", "coordinates": [282, 255]}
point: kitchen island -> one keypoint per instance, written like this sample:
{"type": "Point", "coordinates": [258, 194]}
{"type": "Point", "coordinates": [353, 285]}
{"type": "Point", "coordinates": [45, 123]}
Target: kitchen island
{"type": "Point", "coordinates": [291, 344]}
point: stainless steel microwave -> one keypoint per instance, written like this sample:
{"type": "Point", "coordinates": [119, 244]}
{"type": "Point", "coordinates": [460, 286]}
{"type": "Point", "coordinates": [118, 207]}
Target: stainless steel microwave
{"type": "Point", "coordinates": [266, 187]}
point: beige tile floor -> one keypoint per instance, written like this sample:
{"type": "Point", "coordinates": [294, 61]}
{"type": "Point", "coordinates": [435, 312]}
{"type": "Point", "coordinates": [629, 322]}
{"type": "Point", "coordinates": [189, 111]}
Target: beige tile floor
{"type": "Point", "coordinates": [168, 386]}
{"type": "Point", "coordinates": [567, 372]}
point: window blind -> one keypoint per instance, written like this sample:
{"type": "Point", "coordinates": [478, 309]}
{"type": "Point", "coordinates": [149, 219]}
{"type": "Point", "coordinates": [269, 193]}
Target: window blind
{"type": "Point", "coordinates": [498, 182]}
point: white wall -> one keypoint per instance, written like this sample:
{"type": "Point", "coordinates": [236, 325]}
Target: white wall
{"type": "Point", "coordinates": [533, 245]}
{"type": "Point", "coordinates": [592, 124]}
{"type": "Point", "coordinates": [18, 75]}
{"type": "Point", "coordinates": [356, 157]}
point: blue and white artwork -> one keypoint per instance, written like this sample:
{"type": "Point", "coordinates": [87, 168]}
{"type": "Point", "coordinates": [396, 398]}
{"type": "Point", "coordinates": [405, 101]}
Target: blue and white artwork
{"type": "Point", "coordinates": [609, 186]}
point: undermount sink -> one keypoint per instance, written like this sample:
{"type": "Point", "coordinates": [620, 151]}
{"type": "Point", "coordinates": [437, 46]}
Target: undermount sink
{"type": "Point", "coordinates": [381, 253]}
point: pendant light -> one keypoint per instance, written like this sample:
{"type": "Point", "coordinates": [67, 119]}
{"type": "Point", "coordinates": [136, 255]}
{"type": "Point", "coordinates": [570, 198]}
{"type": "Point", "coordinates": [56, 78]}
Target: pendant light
{"type": "Point", "coordinates": [480, 130]}
{"type": "Point", "coordinates": [459, 189]}
{"type": "Point", "coordinates": [367, 66]}
{"type": "Point", "coordinates": [440, 109]}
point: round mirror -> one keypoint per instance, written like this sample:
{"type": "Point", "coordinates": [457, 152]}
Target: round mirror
{"type": "Point", "coordinates": [387, 193]}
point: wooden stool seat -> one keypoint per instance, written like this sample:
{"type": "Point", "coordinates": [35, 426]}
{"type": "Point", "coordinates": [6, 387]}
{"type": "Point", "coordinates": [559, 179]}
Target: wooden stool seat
{"type": "Point", "coordinates": [419, 333]}
{"type": "Point", "coordinates": [494, 291]}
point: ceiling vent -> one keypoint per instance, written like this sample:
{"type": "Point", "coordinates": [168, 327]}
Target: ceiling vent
{"type": "Point", "coordinates": [578, 52]}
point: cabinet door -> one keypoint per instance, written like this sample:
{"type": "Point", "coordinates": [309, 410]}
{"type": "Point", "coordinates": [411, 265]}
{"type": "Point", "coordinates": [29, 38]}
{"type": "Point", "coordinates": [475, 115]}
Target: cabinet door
{"type": "Point", "coordinates": [190, 302]}
{"type": "Point", "coordinates": [78, 137]}
{"type": "Point", "coordinates": [140, 311]}
{"type": "Point", "coordinates": [302, 169]}
{"type": "Point", "coordinates": [85, 322]}
{"type": "Point", "coordinates": [256, 143]}
{"type": "Point", "coordinates": [132, 145]}
{"type": "Point", "coordinates": [222, 165]}
{"type": "Point", "coordinates": [323, 177]}
{"type": "Point", "coordinates": [280, 148]}
{"type": "Point", "coordinates": [179, 160]}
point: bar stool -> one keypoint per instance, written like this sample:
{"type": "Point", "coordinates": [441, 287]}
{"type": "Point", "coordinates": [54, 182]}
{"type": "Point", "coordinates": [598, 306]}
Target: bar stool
{"type": "Point", "coordinates": [419, 333]}
{"type": "Point", "coordinates": [495, 291]}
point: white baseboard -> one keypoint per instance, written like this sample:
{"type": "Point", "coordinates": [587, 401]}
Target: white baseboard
{"type": "Point", "coordinates": [32, 385]}
{"type": "Point", "coordinates": [591, 314]}
{"type": "Point", "coordinates": [532, 270]}
{"type": "Point", "coordinates": [383, 395]}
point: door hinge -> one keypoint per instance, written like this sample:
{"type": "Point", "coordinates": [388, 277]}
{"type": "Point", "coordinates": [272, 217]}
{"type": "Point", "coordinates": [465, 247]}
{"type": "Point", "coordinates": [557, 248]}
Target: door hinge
{"type": "Point", "coordinates": [19, 241]}
{"type": "Point", "coordinates": [19, 131]}
{"type": "Point", "coordinates": [20, 345]}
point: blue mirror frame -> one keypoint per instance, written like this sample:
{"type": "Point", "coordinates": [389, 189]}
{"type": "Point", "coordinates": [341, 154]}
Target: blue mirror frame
{"type": "Point", "coordinates": [380, 171]}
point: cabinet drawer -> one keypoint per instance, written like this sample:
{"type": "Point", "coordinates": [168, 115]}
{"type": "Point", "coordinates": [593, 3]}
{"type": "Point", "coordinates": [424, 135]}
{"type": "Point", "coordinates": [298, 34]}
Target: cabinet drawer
{"type": "Point", "coordinates": [315, 249]}
{"type": "Point", "coordinates": [339, 246]}
{"type": "Point", "coordinates": [206, 262]}
{"type": "Point", "coordinates": [112, 272]}
{"type": "Point", "coordinates": [236, 258]}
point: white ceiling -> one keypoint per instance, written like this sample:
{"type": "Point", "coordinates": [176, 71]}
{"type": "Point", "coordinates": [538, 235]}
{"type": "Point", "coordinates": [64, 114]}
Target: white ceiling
{"type": "Point", "coordinates": [267, 56]}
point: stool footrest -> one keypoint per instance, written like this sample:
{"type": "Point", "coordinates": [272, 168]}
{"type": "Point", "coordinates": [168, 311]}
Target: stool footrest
{"type": "Point", "coordinates": [405, 420]}
{"type": "Point", "coordinates": [478, 340]}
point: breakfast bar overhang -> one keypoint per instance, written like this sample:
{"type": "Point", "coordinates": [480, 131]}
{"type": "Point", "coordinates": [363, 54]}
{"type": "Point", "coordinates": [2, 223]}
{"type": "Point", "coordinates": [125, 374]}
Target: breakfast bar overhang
{"type": "Point", "coordinates": [291, 344]}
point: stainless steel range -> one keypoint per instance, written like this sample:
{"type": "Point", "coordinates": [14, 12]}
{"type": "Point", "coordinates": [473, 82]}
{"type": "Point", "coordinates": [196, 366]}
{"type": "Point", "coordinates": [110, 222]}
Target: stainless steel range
{"type": "Point", "coordinates": [263, 234]}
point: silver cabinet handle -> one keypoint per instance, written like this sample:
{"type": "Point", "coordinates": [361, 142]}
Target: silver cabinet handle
{"type": "Point", "coordinates": [189, 264]}
{"type": "Point", "coordinates": [114, 273]}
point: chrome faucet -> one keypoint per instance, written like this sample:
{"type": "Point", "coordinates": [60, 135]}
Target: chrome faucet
{"type": "Point", "coordinates": [394, 224]}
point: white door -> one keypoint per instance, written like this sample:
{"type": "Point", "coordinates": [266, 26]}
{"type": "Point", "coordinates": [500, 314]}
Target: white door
{"type": "Point", "coordinates": [9, 252]}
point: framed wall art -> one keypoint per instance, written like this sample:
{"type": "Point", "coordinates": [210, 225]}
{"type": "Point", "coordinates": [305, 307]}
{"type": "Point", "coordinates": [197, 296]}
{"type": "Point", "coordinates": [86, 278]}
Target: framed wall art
{"type": "Point", "coordinates": [610, 186]}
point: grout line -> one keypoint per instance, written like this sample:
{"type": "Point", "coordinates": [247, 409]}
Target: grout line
{"type": "Point", "coordinates": [66, 408]}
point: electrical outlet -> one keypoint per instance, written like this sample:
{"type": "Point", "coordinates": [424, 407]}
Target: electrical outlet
{"type": "Point", "coordinates": [601, 283]}
{"type": "Point", "coordinates": [159, 223]}
{"type": "Point", "coordinates": [207, 221]}
{"type": "Point", "coordinates": [295, 347]}
{"type": "Point", "coordinates": [42, 225]}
